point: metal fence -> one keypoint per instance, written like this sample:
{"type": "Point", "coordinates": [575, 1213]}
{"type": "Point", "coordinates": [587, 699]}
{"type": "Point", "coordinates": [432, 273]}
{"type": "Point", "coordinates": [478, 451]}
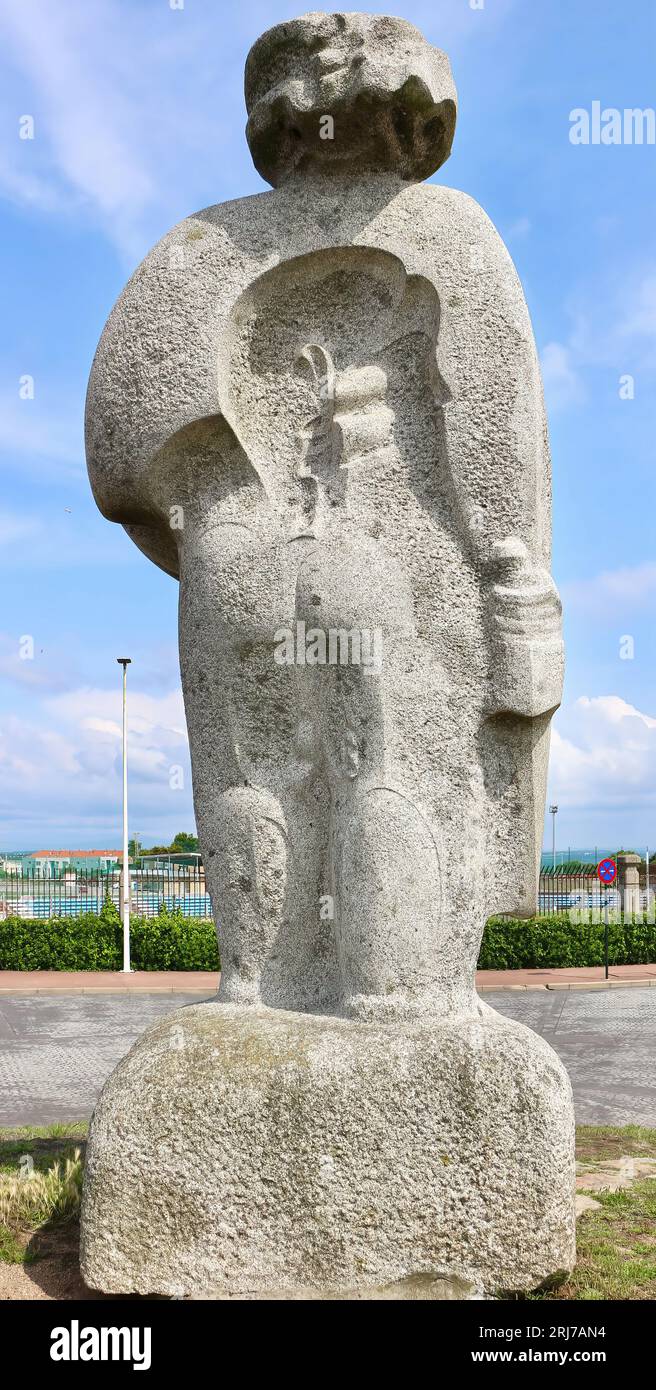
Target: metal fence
{"type": "Point", "coordinates": [182, 889]}
{"type": "Point", "coordinates": [73, 894]}
{"type": "Point", "coordinates": [563, 892]}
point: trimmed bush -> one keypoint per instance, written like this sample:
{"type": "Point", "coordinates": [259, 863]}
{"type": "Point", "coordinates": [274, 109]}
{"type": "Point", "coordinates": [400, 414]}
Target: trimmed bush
{"type": "Point", "coordinates": [511, 943]}
{"type": "Point", "coordinates": [174, 942]}
{"type": "Point", "coordinates": [90, 942]}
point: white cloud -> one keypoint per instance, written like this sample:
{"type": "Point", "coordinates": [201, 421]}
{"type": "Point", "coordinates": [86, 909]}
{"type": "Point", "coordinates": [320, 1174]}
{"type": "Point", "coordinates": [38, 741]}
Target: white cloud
{"type": "Point", "coordinates": [23, 667]}
{"type": "Point", "coordinates": [88, 122]}
{"type": "Point", "coordinates": [563, 386]}
{"type": "Point", "coordinates": [92, 77]}
{"type": "Point", "coordinates": [27, 188]}
{"type": "Point", "coordinates": [613, 326]}
{"type": "Point", "coordinates": [613, 589]}
{"type": "Point", "coordinates": [136, 104]}
{"type": "Point", "coordinates": [603, 755]}
{"type": "Point", "coordinates": [61, 769]}
{"type": "Point", "coordinates": [614, 322]}
{"type": "Point", "coordinates": [90, 707]}
{"type": "Point", "coordinates": [639, 319]}
{"type": "Point", "coordinates": [46, 437]}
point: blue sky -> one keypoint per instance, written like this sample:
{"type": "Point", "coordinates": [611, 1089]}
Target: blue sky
{"type": "Point", "coordinates": [138, 121]}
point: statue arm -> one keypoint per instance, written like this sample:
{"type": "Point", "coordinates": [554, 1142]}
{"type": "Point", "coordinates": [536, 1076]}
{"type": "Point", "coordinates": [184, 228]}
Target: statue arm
{"type": "Point", "coordinates": [498, 452]}
{"type": "Point", "coordinates": [156, 440]}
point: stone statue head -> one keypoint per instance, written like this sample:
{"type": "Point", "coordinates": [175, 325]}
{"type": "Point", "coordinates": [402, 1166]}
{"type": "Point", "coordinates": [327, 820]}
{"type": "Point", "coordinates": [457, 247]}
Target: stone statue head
{"type": "Point", "coordinates": [341, 91]}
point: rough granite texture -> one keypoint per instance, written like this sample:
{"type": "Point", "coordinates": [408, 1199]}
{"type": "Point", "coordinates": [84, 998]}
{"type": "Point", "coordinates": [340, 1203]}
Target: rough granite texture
{"type": "Point", "coordinates": [320, 407]}
{"type": "Point", "coordinates": [238, 1151]}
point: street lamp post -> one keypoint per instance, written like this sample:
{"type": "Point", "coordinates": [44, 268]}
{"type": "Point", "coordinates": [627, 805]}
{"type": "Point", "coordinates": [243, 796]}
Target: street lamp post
{"type": "Point", "coordinates": [553, 810]}
{"type": "Point", "coordinates": [125, 661]}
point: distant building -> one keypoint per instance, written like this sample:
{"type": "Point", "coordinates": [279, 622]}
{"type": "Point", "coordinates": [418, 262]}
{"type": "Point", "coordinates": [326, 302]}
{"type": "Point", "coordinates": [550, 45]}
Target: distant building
{"type": "Point", "coordinates": [9, 865]}
{"type": "Point", "coordinates": [51, 863]}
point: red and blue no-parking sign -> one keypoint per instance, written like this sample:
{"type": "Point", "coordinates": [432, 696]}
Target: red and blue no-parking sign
{"type": "Point", "coordinates": [607, 870]}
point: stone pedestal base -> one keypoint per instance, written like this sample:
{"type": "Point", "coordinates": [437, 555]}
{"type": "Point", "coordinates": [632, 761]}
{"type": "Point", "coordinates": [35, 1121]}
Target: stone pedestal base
{"type": "Point", "coordinates": [242, 1152]}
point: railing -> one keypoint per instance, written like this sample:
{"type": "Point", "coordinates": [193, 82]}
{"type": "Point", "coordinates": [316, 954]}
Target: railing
{"type": "Point", "coordinates": [182, 889]}
{"type": "Point", "coordinates": [73, 894]}
{"type": "Point", "coordinates": [561, 892]}
{"type": "Point", "coordinates": [583, 892]}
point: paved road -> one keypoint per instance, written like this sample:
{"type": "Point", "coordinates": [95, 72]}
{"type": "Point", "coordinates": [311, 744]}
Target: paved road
{"type": "Point", "coordinates": [607, 1040]}
{"type": "Point", "coordinates": [56, 1051]}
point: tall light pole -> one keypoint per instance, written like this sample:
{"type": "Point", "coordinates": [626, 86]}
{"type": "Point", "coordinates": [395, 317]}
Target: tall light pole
{"type": "Point", "coordinates": [125, 661]}
{"type": "Point", "coordinates": [553, 811]}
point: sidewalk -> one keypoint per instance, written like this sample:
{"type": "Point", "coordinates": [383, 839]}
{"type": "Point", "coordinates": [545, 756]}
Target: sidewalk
{"type": "Point", "coordinates": [584, 977]}
{"type": "Point", "coordinates": [205, 983]}
{"type": "Point", "coordinates": [202, 982]}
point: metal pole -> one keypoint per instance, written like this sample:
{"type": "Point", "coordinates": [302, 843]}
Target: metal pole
{"type": "Point", "coordinates": [606, 937]}
{"type": "Point", "coordinates": [647, 875]}
{"type": "Point", "coordinates": [553, 810]}
{"type": "Point", "coordinates": [125, 661]}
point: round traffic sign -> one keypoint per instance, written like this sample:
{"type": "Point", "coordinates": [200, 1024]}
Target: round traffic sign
{"type": "Point", "coordinates": [607, 870]}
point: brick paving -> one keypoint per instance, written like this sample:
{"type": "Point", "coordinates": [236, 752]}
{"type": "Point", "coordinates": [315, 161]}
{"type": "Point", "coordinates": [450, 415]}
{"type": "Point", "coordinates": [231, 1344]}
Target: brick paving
{"type": "Point", "coordinates": [61, 1035]}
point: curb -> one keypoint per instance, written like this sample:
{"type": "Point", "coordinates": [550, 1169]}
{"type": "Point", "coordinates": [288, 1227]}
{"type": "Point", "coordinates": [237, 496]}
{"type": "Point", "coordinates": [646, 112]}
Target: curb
{"type": "Point", "coordinates": [209, 991]}
{"type": "Point", "coordinates": [648, 982]}
{"type": "Point", "coordinates": [106, 989]}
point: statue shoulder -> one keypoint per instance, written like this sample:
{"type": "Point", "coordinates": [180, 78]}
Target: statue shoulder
{"type": "Point", "coordinates": [154, 371]}
{"type": "Point", "coordinates": [433, 209]}
{"type": "Point", "coordinates": [204, 248]}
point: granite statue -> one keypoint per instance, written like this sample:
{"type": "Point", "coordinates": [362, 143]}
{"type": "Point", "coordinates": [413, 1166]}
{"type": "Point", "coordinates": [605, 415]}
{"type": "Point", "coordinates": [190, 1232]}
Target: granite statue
{"type": "Point", "coordinates": [320, 408]}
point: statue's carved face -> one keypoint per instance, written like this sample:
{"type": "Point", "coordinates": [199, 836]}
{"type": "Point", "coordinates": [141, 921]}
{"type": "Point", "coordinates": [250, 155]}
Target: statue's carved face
{"type": "Point", "coordinates": [348, 90]}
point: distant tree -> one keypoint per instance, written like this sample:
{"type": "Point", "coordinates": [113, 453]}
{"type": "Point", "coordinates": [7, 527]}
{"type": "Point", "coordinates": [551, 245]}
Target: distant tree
{"type": "Point", "coordinates": [183, 843]}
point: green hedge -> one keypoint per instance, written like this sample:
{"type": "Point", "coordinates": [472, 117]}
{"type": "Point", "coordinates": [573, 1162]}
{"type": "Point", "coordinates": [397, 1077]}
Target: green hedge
{"type": "Point", "coordinates": [90, 942]}
{"type": "Point", "coordinates": [511, 943]}
{"type": "Point", "coordinates": [174, 942]}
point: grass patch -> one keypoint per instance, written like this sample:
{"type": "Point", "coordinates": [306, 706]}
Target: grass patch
{"type": "Point", "coordinates": [42, 1145]}
{"type": "Point", "coordinates": [615, 1245]}
{"type": "Point", "coordinates": [40, 1185]}
{"type": "Point", "coordinates": [606, 1141]}
{"type": "Point", "coordinates": [616, 1248]}
{"type": "Point", "coordinates": [13, 1251]}
{"type": "Point", "coordinates": [76, 1130]}
{"type": "Point", "coordinates": [35, 1197]}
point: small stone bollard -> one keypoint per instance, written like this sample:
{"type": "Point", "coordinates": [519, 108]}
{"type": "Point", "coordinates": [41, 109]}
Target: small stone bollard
{"type": "Point", "coordinates": [629, 883]}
